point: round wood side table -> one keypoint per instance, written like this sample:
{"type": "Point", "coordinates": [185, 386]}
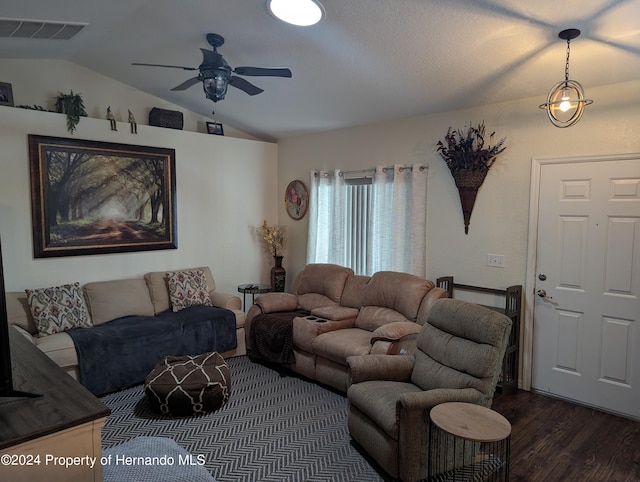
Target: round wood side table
{"type": "Point", "coordinates": [468, 442]}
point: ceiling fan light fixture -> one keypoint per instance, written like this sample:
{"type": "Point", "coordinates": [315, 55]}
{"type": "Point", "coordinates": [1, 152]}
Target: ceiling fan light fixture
{"type": "Point", "coordinates": [566, 101]}
{"type": "Point", "coordinates": [216, 74]}
{"type": "Point", "coordinates": [302, 13]}
{"type": "Point", "coordinates": [215, 87]}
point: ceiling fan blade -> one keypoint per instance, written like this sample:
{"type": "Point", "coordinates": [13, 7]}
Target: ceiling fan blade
{"type": "Point", "coordinates": [168, 66]}
{"type": "Point", "coordinates": [187, 83]}
{"type": "Point", "coordinates": [245, 85]}
{"type": "Point", "coordinates": [262, 72]}
{"type": "Point", "coordinates": [212, 58]}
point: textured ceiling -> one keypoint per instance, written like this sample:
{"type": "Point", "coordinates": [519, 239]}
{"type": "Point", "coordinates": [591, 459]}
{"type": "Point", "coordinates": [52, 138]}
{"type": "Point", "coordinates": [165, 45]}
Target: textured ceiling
{"type": "Point", "coordinates": [368, 61]}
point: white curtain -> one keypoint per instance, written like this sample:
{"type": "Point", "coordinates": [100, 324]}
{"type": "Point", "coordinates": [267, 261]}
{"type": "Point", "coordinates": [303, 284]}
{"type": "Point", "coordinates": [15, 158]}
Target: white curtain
{"type": "Point", "coordinates": [326, 242]}
{"type": "Point", "coordinates": [396, 234]}
{"type": "Point", "coordinates": [398, 221]}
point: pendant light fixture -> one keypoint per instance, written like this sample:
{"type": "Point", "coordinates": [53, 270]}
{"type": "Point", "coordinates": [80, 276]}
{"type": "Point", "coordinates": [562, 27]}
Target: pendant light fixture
{"type": "Point", "coordinates": [566, 101]}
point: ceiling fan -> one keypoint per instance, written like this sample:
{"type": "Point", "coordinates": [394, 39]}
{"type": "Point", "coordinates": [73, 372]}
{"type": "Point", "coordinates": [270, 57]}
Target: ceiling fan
{"type": "Point", "coordinates": [216, 74]}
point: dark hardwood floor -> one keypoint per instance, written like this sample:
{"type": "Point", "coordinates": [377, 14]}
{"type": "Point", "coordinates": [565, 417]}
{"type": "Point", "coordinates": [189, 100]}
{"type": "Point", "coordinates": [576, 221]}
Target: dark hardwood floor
{"type": "Point", "coordinates": [553, 440]}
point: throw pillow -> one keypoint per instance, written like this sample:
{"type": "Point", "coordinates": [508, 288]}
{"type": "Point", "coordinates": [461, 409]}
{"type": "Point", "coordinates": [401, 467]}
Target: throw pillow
{"type": "Point", "coordinates": [58, 308]}
{"type": "Point", "coordinates": [188, 288]}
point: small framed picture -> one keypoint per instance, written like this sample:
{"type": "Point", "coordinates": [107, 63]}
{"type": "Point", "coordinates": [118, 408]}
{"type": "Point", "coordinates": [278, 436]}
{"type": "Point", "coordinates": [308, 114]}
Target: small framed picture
{"type": "Point", "coordinates": [215, 128]}
{"type": "Point", "coordinates": [6, 94]}
{"type": "Point", "coordinates": [296, 199]}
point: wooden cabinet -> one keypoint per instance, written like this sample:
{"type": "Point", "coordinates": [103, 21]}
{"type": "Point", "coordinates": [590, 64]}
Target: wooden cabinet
{"type": "Point", "coordinates": [54, 436]}
{"type": "Point", "coordinates": [73, 454]}
{"type": "Point", "coordinates": [512, 307]}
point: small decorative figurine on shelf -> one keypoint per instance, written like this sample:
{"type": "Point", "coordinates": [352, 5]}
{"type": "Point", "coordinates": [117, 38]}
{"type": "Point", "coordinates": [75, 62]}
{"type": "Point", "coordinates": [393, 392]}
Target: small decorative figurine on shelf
{"type": "Point", "coordinates": [112, 119]}
{"type": "Point", "coordinates": [132, 123]}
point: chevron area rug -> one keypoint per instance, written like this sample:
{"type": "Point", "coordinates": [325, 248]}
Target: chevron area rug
{"type": "Point", "coordinates": [273, 428]}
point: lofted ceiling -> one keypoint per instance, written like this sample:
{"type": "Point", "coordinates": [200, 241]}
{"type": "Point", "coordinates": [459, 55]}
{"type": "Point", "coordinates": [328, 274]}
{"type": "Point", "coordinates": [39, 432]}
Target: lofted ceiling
{"type": "Point", "coordinates": [367, 61]}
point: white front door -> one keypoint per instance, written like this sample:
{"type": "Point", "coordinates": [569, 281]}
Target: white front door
{"type": "Point", "coordinates": [586, 333]}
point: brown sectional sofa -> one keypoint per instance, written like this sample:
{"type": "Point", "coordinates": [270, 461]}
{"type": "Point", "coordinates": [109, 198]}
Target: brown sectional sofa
{"type": "Point", "coordinates": [343, 314]}
{"type": "Point", "coordinates": [111, 300]}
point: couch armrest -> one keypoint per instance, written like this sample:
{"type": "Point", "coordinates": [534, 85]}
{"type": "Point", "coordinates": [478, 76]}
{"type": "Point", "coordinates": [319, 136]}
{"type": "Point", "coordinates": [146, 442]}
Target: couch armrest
{"type": "Point", "coordinates": [254, 311]}
{"type": "Point", "coordinates": [273, 302]}
{"type": "Point", "coordinates": [25, 333]}
{"type": "Point", "coordinates": [404, 346]}
{"type": "Point", "coordinates": [428, 399]}
{"type": "Point", "coordinates": [18, 311]}
{"type": "Point", "coordinates": [395, 338]}
{"type": "Point", "coordinates": [395, 331]}
{"type": "Point", "coordinates": [379, 367]}
{"type": "Point", "coordinates": [225, 300]}
{"type": "Point", "coordinates": [268, 303]}
{"type": "Point", "coordinates": [335, 313]}
{"type": "Point", "coordinates": [307, 328]}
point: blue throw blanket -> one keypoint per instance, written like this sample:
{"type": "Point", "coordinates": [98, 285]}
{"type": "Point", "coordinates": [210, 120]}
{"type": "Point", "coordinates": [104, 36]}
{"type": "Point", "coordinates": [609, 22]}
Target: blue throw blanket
{"type": "Point", "coordinates": [122, 352]}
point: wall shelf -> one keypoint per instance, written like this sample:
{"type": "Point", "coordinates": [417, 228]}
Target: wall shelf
{"type": "Point", "coordinates": [508, 382]}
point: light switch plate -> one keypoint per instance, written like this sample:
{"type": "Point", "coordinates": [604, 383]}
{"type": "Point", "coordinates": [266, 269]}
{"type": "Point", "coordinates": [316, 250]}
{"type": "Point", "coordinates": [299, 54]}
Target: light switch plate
{"type": "Point", "coordinates": [496, 260]}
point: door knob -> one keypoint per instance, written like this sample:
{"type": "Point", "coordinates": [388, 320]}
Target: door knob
{"type": "Point", "coordinates": [547, 299]}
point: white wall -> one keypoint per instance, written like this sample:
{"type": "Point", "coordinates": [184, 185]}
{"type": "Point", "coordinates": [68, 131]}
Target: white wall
{"type": "Point", "coordinates": [225, 187]}
{"type": "Point", "coordinates": [499, 223]}
{"type": "Point", "coordinates": [39, 82]}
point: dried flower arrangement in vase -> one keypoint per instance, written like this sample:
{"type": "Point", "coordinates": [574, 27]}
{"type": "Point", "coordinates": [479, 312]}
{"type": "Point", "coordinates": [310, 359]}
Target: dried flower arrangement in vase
{"type": "Point", "coordinates": [469, 157]}
{"type": "Point", "coordinates": [275, 237]}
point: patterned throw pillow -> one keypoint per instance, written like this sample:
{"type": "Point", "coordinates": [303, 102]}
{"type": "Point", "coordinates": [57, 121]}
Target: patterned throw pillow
{"type": "Point", "coordinates": [188, 288]}
{"type": "Point", "coordinates": [58, 308]}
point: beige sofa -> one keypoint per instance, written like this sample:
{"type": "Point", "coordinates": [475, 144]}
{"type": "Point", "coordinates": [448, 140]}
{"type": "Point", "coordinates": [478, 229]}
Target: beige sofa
{"type": "Point", "coordinates": [110, 300]}
{"type": "Point", "coordinates": [343, 314]}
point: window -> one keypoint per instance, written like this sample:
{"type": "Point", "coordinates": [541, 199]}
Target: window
{"type": "Point", "coordinates": [357, 221]}
{"type": "Point", "coordinates": [371, 223]}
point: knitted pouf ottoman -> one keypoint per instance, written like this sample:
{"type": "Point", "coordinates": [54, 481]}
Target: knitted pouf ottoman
{"type": "Point", "coordinates": [188, 385]}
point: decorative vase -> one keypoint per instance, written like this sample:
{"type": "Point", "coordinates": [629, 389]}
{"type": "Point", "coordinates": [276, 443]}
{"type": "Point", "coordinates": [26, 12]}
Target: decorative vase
{"type": "Point", "coordinates": [468, 182]}
{"type": "Point", "coordinates": [278, 275]}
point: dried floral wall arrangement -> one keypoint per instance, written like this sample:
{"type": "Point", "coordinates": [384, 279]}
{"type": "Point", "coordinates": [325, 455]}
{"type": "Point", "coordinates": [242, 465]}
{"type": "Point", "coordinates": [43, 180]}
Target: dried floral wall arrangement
{"type": "Point", "coordinates": [469, 155]}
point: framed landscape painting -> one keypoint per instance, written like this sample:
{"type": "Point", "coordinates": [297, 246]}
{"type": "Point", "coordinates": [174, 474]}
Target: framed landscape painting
{"type": "Point", "coordinates": [91, 197]}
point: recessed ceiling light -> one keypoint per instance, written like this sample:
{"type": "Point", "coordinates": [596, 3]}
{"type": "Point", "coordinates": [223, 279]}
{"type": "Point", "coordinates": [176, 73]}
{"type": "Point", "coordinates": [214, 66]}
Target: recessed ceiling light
{"type": "Point", "coordinates": [296, 12]}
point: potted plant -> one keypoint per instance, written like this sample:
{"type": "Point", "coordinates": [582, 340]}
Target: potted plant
{"type": "Point", "coordinates": [73, 106]}
{"type": "Point", "coordinates": [469, 156]}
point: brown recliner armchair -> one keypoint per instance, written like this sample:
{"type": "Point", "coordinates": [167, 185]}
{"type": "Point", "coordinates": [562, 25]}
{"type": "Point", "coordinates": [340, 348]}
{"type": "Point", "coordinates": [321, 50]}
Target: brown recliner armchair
{"type": "Point", "coordinates": [457, 359]}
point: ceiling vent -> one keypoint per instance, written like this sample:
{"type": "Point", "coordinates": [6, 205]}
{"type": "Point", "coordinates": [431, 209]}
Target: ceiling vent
{"type": "Point", "coordinates": [42, 29]}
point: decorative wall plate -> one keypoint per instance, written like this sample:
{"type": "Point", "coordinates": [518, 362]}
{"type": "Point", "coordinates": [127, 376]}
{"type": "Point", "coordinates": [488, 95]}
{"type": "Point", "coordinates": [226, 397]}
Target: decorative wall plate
{"type": "Point", "coordinates": [296, 199]}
